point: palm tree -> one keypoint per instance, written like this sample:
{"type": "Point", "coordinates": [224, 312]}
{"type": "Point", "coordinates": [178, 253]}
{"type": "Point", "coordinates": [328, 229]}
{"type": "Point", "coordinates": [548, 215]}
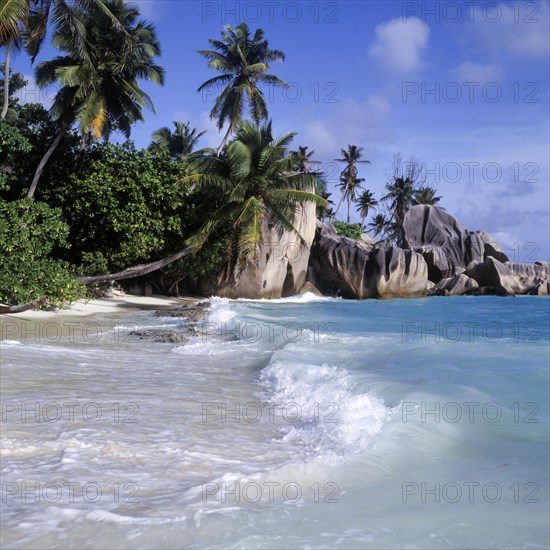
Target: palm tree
{"type": "Point", "coordinates": [400, 196]}
{"type": "Point", "coordinates": [425, 195]}
{"type": "Point", "coordinates": [100, 89]}
{"type": "Point", "coordinates": [13, 16]}
{"type": "Point", "coordinates": [255, 182]}
{"type": "Point", "coordinates": [378, 225]}
{"type": "Point", "coordinates": [180, 143]}
{"type": "Point", "coordinates": [243, 61]}
{"type": "Point", "coordinates": [365, 202]}
{"type": "Point", "coordinates": [301, 159]}
{"type": "Point", "coordinates": [349, 189]}
{"type": "Point", "coordinates": [349, 182]}
{"type": "Point", "coordinates": [25, 22]}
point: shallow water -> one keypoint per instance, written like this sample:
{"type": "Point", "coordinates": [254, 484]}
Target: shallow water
{"type": "Point", "coordinates": [296, 423]}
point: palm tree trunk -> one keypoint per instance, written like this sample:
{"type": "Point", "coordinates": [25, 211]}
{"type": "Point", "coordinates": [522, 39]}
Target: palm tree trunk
{"type": "Point", "coordinates": [349, 203]}
{"type": "Point", "coordinates": [45, 158]}
{"type": "Point", "coordinates": [6, 82]}
{"type": "Point", "coordinates": [363, 222]}
{"type": "Point", "coordinates": [137, 270]}
{"type": "Point", "coordinates": [338, 207]}
{"type": "Point", "coordinates": [227, 134]}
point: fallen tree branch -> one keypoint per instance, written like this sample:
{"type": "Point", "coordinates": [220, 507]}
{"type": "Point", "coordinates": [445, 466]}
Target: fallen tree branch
{"type": "Point", "coordinates": [137, 270]}
{"type": "Point", "coordinates": [23, 307]}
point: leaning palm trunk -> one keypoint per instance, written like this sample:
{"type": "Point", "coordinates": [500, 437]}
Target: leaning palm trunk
{"type": "Point", "coordinates": [138, 270]}
{"type": "Point", "coordinates": [6, 82]}
{"type": "Point", "coordinates": [45, 158]}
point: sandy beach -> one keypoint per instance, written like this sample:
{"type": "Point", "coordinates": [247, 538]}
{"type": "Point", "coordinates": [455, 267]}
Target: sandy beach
{"type": "Point", "coordinates": [120, 303]}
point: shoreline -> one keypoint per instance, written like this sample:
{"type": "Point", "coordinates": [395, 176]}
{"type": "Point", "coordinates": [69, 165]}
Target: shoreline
{"type": "Point", "coordinates": [120, 303]}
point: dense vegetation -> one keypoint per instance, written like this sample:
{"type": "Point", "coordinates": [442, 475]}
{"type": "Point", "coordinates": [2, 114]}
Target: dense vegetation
{"type": "Point", "coordinates": [74, 205]}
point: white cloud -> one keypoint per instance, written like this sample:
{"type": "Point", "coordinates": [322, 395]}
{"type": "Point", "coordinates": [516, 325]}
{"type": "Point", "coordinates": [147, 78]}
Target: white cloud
{"type": "Point", "coordinates": [399, 44]}
{"type": "Point", "coordinates": [519, 29]}
{"type": "Point", "coordinates": [476, 72]}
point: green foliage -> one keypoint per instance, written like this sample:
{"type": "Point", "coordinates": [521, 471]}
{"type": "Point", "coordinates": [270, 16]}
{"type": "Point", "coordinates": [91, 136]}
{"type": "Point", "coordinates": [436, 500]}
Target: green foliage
{"type": "Point", "coordinates": [125, 208]}
{"type": "Point", "coordinates": [351, 230]}
{"type": "Point", "coordinates": [243, 59]}
{"type": "Point", "coordinates": [29, 233]}
{"type": "Point", "coordinates": [12, 144]}
{"type": "Point", "coordinates": [256, 184]}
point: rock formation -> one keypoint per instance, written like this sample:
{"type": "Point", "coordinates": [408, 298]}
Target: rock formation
{"type": "Point", "coordinates": [447, 246]}
{"type": "Point", "coordinates": [340, 266]}
{"type": "Point", "coordinates": [280, 266]}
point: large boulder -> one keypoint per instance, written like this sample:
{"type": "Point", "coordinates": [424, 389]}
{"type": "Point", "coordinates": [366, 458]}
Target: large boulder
{"type": "Point", "coordinates": [353, 269]}
{"type": "Point", "coordinates": [447, 246]}
{"type": "Point", "coordinates": [279, 268]}
{"type": "Point", "coordinates": [514, 278]}
{"type": "Point", "coordinates": [453, 286]}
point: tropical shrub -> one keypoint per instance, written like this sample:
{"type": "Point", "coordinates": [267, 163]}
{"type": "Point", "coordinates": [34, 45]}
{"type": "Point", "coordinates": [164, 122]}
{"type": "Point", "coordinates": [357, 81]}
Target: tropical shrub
{"type": "Point", "coordinates": [351, 230]}
{"type": "Point", "coordinates": [30, 232]}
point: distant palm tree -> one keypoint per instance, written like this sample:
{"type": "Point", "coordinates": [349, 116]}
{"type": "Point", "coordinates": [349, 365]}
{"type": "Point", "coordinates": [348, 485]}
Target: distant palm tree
{"type": "Point", "coordinates": [243, 61]}
{"type": "Point", "coordinates": [100, 89]}
{"type": "Point", "coordinates": [349, 182]}
{"type": "Point", "coordinates": [179, 143]}
{"type": "Point", "coordinates": [365, 202]}
{"type": "Point", "coordinates": [378, 225]}
{"type": "Point", "coordinates": [400, 196]}
{"type": "Point", "coordinates": [425, 195]}
{"type": "Point", "coordinates": [301, 159]}
{"type": "Point", "coordinates": [255, 181]}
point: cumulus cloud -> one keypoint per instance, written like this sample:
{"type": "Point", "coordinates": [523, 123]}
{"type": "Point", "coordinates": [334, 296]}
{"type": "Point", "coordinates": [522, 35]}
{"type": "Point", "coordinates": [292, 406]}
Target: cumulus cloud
{"type": "Point", "coordinates": [399, 45]}
{"type": "Point", "coordinates": [517, 29]}
{"type": "Point", "coordinates": [476, 72]}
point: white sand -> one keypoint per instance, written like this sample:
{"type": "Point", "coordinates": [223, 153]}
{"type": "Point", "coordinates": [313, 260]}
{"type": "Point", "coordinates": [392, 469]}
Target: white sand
{"type": "Point", "coordinates": [121, 303]}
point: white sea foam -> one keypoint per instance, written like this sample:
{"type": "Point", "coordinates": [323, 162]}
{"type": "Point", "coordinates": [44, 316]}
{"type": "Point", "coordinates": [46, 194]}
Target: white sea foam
{"type": "Point", "coordinates": [318, 404]}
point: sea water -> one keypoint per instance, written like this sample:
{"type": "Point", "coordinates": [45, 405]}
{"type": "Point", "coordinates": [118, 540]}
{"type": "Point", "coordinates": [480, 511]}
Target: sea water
{"type": "Point", "coordinates": [297, 423]}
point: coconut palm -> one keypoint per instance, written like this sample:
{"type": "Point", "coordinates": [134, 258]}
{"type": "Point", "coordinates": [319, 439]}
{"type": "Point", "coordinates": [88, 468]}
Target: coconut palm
{"type": "Point", "coordinates": [365, 202]}
{"type": "Point", "coordinates": [301, 159]}
{"type": "Point", "coordinates": [349, 182]}
{"type": "Point", "coordinates": [179, 143]}
{"type": "Point", "coordinates": [349, 189]}
{"type": "Point", "coordinates": [243, 60]}
{"type": "Point", "coordinates": [25, 22]}
{"type": "Point", "coordinates": [13, 16]}
{"type": "Point", "coordinates": [378, 225]}
{"type": "Point", "coordinates": [400, 196]}
{"type": "Point", "coordinates": [425, 195]}
{"type": "Point", "coordinates": [100, 90]}
{"type": "Point", "coordinates": [256, 184]}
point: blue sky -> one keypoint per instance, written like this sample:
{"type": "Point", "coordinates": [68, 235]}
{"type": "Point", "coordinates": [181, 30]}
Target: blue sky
{"type": "Point", "coordinates": [464, 86]}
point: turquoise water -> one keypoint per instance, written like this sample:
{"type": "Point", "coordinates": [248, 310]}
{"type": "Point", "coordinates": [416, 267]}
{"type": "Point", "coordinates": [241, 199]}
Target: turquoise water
{"type": "Point", "coordinates": [295, 423]}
